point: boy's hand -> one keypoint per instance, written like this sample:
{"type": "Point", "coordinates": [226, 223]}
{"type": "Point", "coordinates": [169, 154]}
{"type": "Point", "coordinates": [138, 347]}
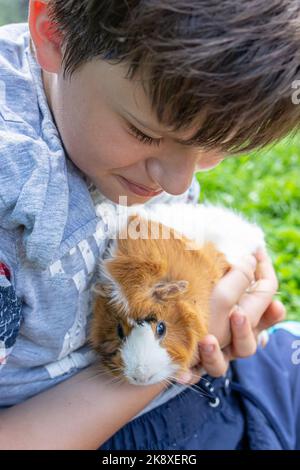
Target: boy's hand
{"type": "Point", "coordinates": [250, 310]}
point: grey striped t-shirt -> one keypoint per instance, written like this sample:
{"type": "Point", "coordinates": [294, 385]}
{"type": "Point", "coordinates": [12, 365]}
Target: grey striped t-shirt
{"type": "Point", "coordinates": [51, 237]}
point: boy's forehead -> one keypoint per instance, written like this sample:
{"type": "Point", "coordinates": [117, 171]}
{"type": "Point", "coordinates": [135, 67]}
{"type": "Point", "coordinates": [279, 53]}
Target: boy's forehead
{"type": "Point", "coordinates": [128, 98]}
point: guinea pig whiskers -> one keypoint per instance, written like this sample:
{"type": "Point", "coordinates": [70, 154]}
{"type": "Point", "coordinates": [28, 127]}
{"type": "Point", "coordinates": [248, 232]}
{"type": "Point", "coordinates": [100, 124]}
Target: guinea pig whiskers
{"type": "Point", "coordinates": [201, 391]}
{"type": "Point", "coordinates": [169, 381]}
{"type": "Point", "coordinates": [194, 375]}
{"type": "Point", "coordinates": [100, 373]}
{"type": "Point", "coordinates": [103, 372]}
{"type": "Point", "coordinates": [116, 380]}
{"type": "Point", "coordinates": [195, 388]}
{"type": "Point", "coordinates": [249, 291]}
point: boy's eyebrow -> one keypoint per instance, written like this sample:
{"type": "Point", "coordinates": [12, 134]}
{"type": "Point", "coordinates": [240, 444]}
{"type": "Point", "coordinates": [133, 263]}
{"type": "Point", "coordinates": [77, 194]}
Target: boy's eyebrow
{"type": "Point", "coordinates": [146, 126]}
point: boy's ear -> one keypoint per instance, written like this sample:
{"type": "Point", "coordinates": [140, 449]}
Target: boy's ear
{"type": "Point", "coordinates": [47, 40]}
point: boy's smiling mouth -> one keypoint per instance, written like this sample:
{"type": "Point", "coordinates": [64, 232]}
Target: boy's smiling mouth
{"type": "Point", "coordinates": [137, 189]}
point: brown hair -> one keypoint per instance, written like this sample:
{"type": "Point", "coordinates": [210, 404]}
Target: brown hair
{"type": "Point", "coordinates": [225, 65]}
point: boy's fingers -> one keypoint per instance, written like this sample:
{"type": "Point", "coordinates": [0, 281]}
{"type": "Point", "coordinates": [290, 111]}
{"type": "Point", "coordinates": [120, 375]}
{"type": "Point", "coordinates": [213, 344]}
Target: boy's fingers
{"type": "Point", "coordinates": [230, 288]}
{"type": "Point", "coordinates": [265, 269]}
{"type": "Point", "coordinates": [184, 378]}
{"type": "Point", "coordinates": [256, 302]}
{"type": "Point", "coordinates": [191, 376]}
{"type": "Point", "coordinates": [212, 358]}
{"type": "Point", "coordinates": [258, 297]}
{"type": "Point", "coordinates": [196, 374]}
{"type": "Point", "coordinates": [243, 340]}
{"type": "Point", "coordinates": [275, 313]}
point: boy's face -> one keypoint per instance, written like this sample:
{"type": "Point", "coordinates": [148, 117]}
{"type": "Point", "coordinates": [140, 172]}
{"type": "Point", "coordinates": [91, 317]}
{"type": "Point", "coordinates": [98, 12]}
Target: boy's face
{"type": "Point", "coordinates": [94, 110]}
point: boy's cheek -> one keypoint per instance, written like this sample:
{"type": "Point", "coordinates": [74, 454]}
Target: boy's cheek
{"type": "Point", "coordinates": [209, 160]}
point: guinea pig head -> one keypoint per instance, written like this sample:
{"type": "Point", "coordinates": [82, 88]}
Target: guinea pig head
{"type": "Point", "coordinates": [151, 308]}
{"type": "Point", "coordinates": [154, 340]}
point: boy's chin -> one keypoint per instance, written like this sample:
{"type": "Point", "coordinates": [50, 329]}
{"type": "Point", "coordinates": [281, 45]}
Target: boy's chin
{"type": "Point", "coordinates": [117, 194]}
{"type": "Point", "coordinates": [128, 200]}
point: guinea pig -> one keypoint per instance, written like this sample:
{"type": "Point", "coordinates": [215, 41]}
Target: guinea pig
{"type": "Point", "coordinates": [152, 301]}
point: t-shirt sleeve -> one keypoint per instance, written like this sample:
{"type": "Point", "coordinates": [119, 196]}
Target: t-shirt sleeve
{"type": "Point", "coordinates": [10, 304]}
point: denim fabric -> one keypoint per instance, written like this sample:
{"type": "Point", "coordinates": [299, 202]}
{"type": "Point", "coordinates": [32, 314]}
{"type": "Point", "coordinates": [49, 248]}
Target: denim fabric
{"type": "Point", "coordinates": [256, 406]}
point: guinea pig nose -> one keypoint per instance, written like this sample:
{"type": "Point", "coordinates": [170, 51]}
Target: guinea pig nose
{"type": "Point", "coordinates": [142, 377]}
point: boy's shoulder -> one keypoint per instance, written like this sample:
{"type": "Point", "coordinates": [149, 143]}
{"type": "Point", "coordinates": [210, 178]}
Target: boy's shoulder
{"type": "Point", "coordinates": [35, 173]}
{"type": "Point", "coordinates": [14, 73]}
{"type": "Point", "coordinates": [13, 36]}
{"type": "Point", "coordinates": [20, 82]}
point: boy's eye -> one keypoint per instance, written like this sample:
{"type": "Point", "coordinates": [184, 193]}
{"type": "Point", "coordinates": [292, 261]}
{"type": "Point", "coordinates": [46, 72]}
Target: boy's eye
{"type": "Point", "coordinates": [143, 137]}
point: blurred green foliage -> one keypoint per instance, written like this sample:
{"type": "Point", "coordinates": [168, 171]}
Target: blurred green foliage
{"type": "Point", "coordinates": [13, 11]}
{"type": "Point", "coordinates": [265, 186]}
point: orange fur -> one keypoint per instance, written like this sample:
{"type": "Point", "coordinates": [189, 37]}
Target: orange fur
{"type": "Point", "coordinates": [159, 277]}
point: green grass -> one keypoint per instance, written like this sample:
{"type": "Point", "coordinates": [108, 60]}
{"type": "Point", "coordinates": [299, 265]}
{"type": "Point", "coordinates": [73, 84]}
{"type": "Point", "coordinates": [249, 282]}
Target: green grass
{"type": "Point", "coordinates": [265, 186]}
{"type": "Point", "coordinates": [12, 11]}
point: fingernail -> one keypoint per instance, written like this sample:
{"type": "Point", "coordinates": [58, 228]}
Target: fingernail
{"type": "Point", "coordinates": [239, 319]}
{"type": "Point", "coordinates": [207, 348]}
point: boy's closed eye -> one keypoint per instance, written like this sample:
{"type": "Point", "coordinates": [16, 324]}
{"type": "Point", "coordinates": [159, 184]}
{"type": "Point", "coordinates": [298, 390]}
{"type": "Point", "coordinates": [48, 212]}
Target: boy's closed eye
{"type": "Point", "coordinates": [146, 139]}
{"type": "Point", "coordinates": [209, 160]}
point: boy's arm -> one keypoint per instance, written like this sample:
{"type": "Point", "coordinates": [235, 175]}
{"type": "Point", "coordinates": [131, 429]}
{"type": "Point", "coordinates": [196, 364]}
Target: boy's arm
{"type": "Point", "coordinates": [79, 413]}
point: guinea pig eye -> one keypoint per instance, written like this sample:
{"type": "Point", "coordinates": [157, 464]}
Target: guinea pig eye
{"type": "Point", "coordinates": [161, 329]}
{"type": "Point", "coordinates": [120, 332]}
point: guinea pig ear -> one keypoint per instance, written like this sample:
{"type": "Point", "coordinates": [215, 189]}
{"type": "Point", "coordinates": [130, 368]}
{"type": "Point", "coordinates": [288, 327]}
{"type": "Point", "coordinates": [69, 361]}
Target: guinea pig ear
{"type": "Point", "coordinates": [165, 290]}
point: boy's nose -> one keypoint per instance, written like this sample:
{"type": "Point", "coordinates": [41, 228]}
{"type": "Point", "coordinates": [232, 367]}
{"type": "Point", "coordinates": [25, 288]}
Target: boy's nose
{"type": "Point", "coordinates": [173, 175]}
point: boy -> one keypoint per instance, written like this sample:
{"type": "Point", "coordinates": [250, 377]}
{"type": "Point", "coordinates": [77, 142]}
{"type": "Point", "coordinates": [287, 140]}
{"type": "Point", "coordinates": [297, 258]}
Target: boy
{"type": "Point", "coordinates": [71, 115]}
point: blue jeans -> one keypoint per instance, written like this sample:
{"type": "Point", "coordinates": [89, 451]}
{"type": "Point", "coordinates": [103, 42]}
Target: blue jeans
{"type": "Point", "coordinates": [257, 406]}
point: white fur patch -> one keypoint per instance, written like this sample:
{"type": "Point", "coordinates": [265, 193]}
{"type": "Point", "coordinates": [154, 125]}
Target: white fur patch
{"type": "Point", "coordinates": [230, 231]}
{"type": "Point", "coordinates": [146, 362]}
{"type": "Point", "coordinates": [116, 294]}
